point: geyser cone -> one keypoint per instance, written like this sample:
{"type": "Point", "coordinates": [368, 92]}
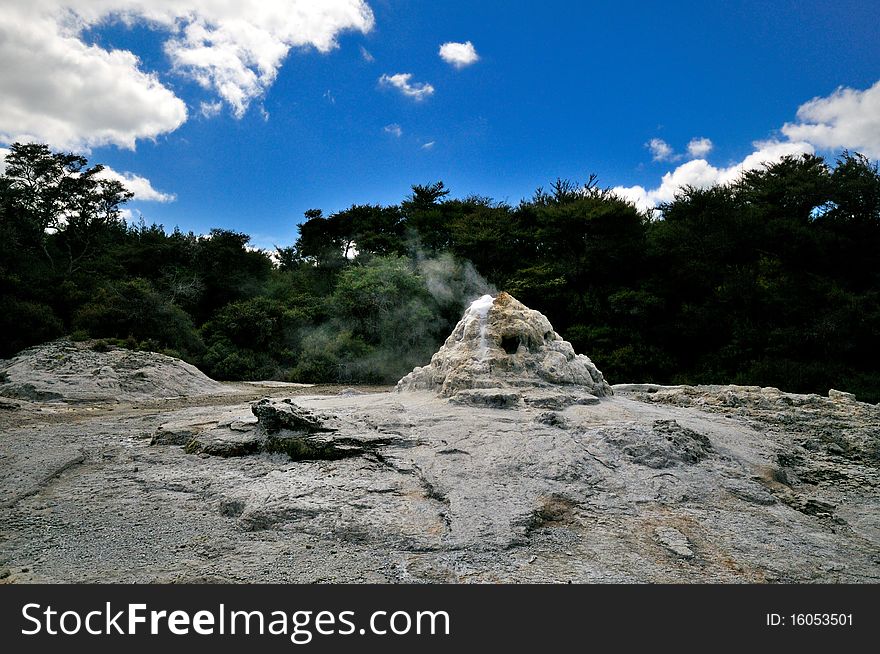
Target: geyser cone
{"type": "Point", "coordinates": [501, 343]}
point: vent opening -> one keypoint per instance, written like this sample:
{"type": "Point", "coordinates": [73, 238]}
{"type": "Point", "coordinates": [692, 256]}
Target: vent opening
{"type": "Point", "coordinates": [510, 344]}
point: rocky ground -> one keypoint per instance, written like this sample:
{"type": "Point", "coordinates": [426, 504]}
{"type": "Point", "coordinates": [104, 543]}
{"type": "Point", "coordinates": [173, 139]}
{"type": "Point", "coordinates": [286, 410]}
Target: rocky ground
{"type": "Point", "coordinates": [508, 458]}
{"type": "Point", "coordinates": [681, 484]}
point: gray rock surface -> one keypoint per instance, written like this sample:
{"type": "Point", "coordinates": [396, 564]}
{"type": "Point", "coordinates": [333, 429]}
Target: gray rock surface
{"type": "Point", "coordinates": [705, 486]}
{"type": "Point", "coordinates": [73, 372]}
{"type": "Point", "coordinates": [227, 442]}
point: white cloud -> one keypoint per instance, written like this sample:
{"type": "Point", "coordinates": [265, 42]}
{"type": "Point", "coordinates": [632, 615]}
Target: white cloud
{"type": "Point", "coordinates": [58, 89]}
{"type": "Point", "coordinates": [699, 147]}
{"type": "Point", "coordinates": [429, 145]}
{"type": "Point", "coordinates": [765, 152]}
{"type": "Point", "coordinates": [661, 150]}
{"type": "Point", "coordinates": [848, 118]}
{"type": "Point", "coordinates": [236, 48]}
{"type": "Point", "coordinates": [141, 187]}
{"type": "Point", "coordinates": [699, 173]}
{"type": "Point", "coordinates": [394, 129]}
{"type": "Point", "coordinates": [459, 55]}
{"type": "Point", "coordinates": [401, 81]}
{"type": "Point", "coordinates": [211, 109]}
{"type": "Point", "coordinates": [367, 56]}
{"type": "Point", "coordinates": [130, 215]}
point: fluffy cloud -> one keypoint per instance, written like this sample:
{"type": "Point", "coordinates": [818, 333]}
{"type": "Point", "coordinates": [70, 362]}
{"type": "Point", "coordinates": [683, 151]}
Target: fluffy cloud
{"type": "Point", "coordinates": [141, 187]}
{"type": "Point", "coordinates": [59, 89]}
{"type": "Point", "coordinates": [459, 55]}
{"type": "Point", "coordinates": [699, 147]}
{"type": "Point", "coordinates": [394, 129]}
{"type": "Point", "coordinates": [401, 81]}
{"type": "Point", "coordinates": [848, 118]}
{"type": "Point", "coordinates": [699, 173]}
{"type": "Point", "coordinates": [661, 150]}
{"type": "Point", "coordinates": [236, 48]}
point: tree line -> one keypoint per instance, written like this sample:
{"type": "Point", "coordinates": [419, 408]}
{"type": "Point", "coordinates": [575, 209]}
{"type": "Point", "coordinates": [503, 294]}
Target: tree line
{"type": "Point", "coordinates": [770, 280]}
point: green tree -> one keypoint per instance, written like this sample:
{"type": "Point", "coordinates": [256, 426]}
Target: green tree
{"type": "Point", "coordinates": [62, 200]}
{"type": "Point", "coordinates": [250, 339]}
{"type": "Point", "coordinates": [134, 308]}
{"type": "Point", "coordinates": [228, 270]}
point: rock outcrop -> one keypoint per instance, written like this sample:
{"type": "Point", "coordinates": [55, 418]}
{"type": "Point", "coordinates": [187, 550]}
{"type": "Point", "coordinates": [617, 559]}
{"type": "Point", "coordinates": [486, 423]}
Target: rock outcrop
{"type": "Point", "coordinates": [73, 372]}
{"type": "Point", "coordinates": [502, 344]}
{"type": "Point", "coordinates": [281, 427]}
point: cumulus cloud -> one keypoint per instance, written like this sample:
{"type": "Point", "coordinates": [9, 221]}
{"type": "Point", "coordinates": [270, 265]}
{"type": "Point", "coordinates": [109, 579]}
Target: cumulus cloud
{"type": "Point", "coordinates": [401, 81]}
{"type": "Point", "coordinates": [459, 55]}
{"type": "Point", "coordinates": [661, 150]}
{"type": "Point", "coordinates": [848, 118]}
{"type": "Point", "coordinates": [58, 90]}
{"type": "Point", "coordinates": [141, 187]}
{"type": "Point", "coordinates": [699, 147]}
{"type": "Point", "coordinates": [394, 129]}
{"type": "Point", "coordinates": [699, 173]}
{"type": "Point", "coordinates": [61, 90]}
{"type": "Point", "coordinates": [236, 48]}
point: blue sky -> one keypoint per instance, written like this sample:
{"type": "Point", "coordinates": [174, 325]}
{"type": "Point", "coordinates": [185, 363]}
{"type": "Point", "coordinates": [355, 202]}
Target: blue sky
{"type": "Point", "coordinates": [558, 89]}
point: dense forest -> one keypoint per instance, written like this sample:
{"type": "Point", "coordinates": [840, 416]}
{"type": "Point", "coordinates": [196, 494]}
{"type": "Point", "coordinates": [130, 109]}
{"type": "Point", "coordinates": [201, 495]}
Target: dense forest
{"type": "Point", "coordinates": [771, 280]}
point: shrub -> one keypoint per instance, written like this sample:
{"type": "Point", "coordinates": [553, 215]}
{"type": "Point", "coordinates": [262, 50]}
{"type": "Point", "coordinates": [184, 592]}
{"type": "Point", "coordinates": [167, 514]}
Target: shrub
{"type": "Point", "coordinates": [79, 335]}
{"type": "Point", "coordinates": [24, 324]}
{"type": "Point", "coordinates": [135, 311]}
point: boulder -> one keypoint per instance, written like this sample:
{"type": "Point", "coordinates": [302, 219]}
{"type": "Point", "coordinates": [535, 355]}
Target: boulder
{"type": "Point", "coordinates": [288, 428]}
{"type": "Point", "coordinates": [274, 415]}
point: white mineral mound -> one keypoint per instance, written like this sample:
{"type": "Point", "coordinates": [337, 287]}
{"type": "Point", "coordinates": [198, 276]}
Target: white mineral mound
{"type": "Point", "coordinates": [502, 344]}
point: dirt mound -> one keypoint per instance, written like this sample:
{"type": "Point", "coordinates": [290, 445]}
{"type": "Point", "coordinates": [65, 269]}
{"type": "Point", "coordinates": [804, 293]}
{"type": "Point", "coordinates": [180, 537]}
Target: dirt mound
{"type": "Point", "coordinates": [74, 372]}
